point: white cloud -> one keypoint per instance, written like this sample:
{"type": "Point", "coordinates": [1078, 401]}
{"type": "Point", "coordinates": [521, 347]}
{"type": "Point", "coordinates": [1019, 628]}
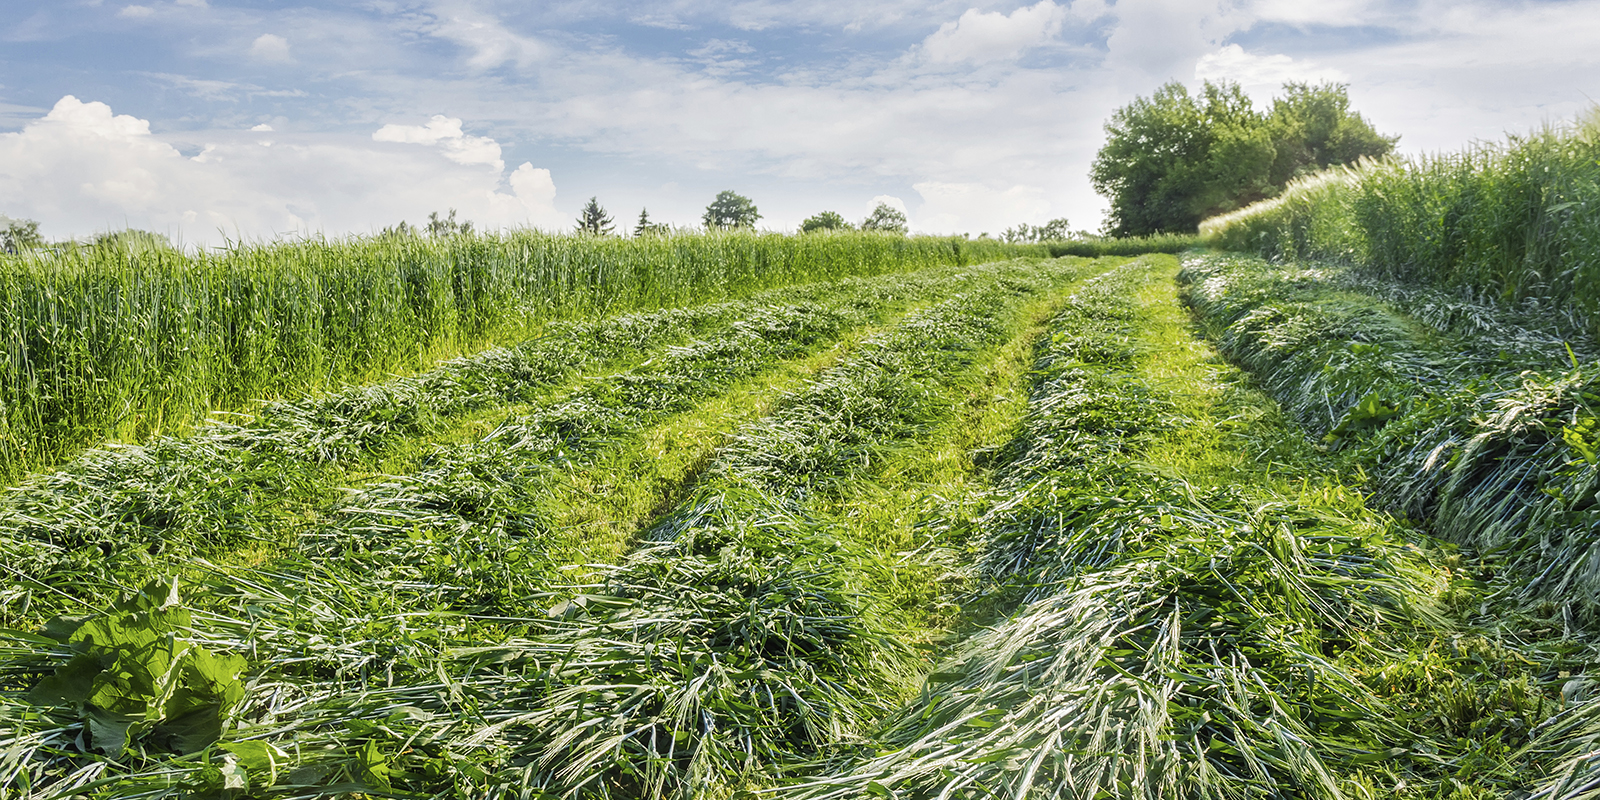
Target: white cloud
{"type": "Point", "coordinates": [980, 208]}
{"type": "Point", "coordinates": [1232, 63]}
{"type": "Point", "coordinates": [1157, 40]}
{"type": "Point", "coordinates": [1333, 13]}
{"type": "Point", "coordinates": [990, 36]}
{"type": "Point", "coordinates": [262, 127]}
{"type": "Point", "coordinates": [491, 42]}
{"type": "Point", "coordinates": [887, 199]}
{"type": "Point", "coordinates": [221, 90]}
{"type": "Point", "coordinates": [445, 132]}
{"type": "Point", "coordinates": [136, 12]}
{"type": "Point", "coordinates": [81, 168]}
{"type": "Point", "coordinates": [270, 47]}
{"type": "Point", "coordinates": [192, 3]}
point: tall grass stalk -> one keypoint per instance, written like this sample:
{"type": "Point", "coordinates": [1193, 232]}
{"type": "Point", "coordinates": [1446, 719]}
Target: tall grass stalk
{"type": "Point", "coordinates": [100, 343]}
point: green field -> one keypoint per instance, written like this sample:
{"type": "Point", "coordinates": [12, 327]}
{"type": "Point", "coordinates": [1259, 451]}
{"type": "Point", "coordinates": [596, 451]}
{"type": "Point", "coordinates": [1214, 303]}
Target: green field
{"type": "Point", "coordinates": [822, 517]}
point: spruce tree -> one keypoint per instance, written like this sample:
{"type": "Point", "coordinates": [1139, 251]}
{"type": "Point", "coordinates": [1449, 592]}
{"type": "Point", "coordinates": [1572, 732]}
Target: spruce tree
{"type": "Point", "coordinates": [594, 220]}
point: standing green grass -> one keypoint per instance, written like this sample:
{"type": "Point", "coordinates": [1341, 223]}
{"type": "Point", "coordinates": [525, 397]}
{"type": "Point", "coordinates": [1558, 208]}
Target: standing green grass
{"type": "Point", "coordinates": [1515, 222]}
{"type": "Point", "coordinates": [100, 343]}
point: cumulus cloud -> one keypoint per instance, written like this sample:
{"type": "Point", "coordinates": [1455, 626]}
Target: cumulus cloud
{"type": "Point", "coordinates": [990, 36]}
{"type": "Point", "coordinates": [82, 167]}
{"type": "Point", "coordinates": [135, 12]}
{"type": "Point", "coordinates": [270, 47]}
{"type": "Point", "coordinates": [445, 133]}
{"type": "Point", "coordinates": [1233, 63]}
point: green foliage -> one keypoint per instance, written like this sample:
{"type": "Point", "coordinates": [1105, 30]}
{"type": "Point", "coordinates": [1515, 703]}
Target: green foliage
{"type": "Point", "coordinates": [825, 221]}
{"type": "Point", "coordinates": [131, 678]}
{"type": "Point", "coordinates": [1173, 160]}
{"type": "Point", "coordinates": [19, 235]}
{"type": "Point", "coordinates": [1313, 128]}
{"type": "Point", "coordinates": [1053, 231]}
{"type": "Point", "coordinates": [887, 219]}
{"type": "Point", "coordinates": [594, 221]}
{"type": "Point", "coordinates": [730, 210]}
{"type": "Point", "coordinates": [1516, 222]}
{"type": "Point", "coordinates": [132, 241]}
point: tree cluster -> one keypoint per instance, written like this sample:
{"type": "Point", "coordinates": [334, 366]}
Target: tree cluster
{"type": "Point", "coordinates": [1175, 159]}
{"type": "Point", "coordinates": [884, 218]}
{"type": "Point", "coordinates": [825, 221]}
{"type": "Point", "coordinates": [18, 235]}
{"type": "Point", "coordinates": [1053, 231]}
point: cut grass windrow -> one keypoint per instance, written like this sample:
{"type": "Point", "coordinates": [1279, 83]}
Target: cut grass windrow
{"type": "Point", "coordinates": [729, 645]}
{"type": "Point", "coordinates": [1495, 454]}
{"type": "Point", "coordinates": [1163, 638]}
{"type": "Point", "coordinates": [126, 511]}
{"type": "Point", "coordinates": [713, 655]}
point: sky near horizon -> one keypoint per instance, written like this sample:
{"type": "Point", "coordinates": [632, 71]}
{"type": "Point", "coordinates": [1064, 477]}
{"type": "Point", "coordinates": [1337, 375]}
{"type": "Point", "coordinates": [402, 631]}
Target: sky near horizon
{"type": "Point", "coordinates": [226, 119]}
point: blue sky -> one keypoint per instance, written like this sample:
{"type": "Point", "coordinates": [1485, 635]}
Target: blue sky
{"type": "Point", "coordinates": [207, 119]}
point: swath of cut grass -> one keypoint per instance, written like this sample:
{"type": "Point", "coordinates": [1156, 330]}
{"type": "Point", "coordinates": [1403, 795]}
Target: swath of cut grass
{"type": "Point", "coordinates": [239, 485]}
{"type": "Point", "coordinates": [355, 687]}
{"type": "Point", "coordinates": [1165, 641]}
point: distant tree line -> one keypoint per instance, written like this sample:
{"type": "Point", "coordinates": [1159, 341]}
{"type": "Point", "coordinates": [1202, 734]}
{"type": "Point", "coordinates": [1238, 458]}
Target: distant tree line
{"type": "Point", "coordinates": [1175, 159]}
{"type": "Point", "coordinates": [728, 211]}
{"type": "Point", "coordinates": [884, 218]}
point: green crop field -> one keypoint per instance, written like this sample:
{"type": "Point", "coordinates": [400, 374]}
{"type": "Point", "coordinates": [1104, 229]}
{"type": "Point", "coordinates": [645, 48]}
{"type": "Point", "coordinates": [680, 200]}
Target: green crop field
{"type": "Point", "coordinates": [824, 517]}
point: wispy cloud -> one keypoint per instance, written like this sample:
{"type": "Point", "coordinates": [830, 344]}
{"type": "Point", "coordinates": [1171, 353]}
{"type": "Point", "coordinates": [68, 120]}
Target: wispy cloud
{"type": "Point", "coordinates": [226, 91]}
{"type": "Point", "coordinates": [490, 41]}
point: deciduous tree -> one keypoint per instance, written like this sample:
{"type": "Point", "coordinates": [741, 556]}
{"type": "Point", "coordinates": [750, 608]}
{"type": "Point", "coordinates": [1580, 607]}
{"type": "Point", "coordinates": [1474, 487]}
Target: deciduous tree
{"type": "Point", "coordinates": [825, 221]}
{"type": "Point", "coordinates": [17, 235]}
{"type": "Point", "coordinates": [731, 210]}
{"type": "Point", "coordinates": [1174, 159]}
{"type": "Point", "coordinates": [885, 218]}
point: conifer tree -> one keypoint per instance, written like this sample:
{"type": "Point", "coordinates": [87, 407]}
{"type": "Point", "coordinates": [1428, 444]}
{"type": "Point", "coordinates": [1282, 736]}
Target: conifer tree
{"type": "Point", "coordinates": [594, 220]}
